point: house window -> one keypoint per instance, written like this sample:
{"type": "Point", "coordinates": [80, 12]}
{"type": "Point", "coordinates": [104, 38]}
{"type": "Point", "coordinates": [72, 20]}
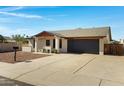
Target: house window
{"type": "Point", "coordinates": [60, 43]}
{"type": "Point", "coordinates": [47, 42]}
{"type": "Point", "coordinates": [53, 43]}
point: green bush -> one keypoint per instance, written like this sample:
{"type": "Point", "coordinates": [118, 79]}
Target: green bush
{"type": "Point", "coordinates": [55, 51]}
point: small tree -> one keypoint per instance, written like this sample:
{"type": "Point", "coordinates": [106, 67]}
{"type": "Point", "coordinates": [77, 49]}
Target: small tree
{"type": "Point", "coordinates": [115, 42]}
{"type": "Point", "coordinates": [20, 39]}
{"type": "Point", "coordinates": [2, 39]}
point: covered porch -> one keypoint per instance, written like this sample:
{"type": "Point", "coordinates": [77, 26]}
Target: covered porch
{"type": "Point", "coordinates": [46, 42]}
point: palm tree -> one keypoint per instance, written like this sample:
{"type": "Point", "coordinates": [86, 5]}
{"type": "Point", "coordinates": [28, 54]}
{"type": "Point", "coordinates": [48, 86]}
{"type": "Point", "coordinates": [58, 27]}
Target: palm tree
{"type": "Point", "coordinates": [20, 39]}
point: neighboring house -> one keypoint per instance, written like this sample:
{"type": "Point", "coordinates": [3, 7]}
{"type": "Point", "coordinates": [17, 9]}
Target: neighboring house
{"type": "Point", "coordinates": [7, 44]}
{"type": "Point", "coordinates": [90, 40]}
{"type": "Point", "coordinates": [5, 39]}
{"type": "Point", "coordinates": [9, 39]}
{"type": "Point", "coordinates": [121, 41]}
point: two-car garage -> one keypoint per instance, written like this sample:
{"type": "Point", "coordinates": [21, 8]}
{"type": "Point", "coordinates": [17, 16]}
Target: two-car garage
{"type": "Point", "coordinates": [83, 46]}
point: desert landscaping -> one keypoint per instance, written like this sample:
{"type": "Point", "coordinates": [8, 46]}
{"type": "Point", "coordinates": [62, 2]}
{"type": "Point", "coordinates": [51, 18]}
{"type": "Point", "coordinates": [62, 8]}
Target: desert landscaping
{"type": "Point", "coordinates": [8, 57]}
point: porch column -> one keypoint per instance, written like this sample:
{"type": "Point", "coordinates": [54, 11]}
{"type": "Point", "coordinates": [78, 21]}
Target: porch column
{"type": "Point", "coordinates": [101, 46]}
{"type": "Point", "coordinates": [57, 43]}
{"type": "Point", "coordinates": [36, 44]}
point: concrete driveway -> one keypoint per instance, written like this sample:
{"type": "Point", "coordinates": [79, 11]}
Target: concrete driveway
{"type": "Point", "coordinates": [68, 69]}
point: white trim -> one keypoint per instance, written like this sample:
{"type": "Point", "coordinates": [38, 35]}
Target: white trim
{"type": "Point", "coordinates": [57, 43]}
{"type": "Point", "coordinates": [64, 45]}
{"type": "Point", "coordinates": [36, 44]}
{"type": "Point", "coordinates": [101, 46]}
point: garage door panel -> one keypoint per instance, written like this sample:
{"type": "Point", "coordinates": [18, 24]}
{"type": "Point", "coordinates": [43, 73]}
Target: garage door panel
{"type": "Point", "coordinates": [83, 46]}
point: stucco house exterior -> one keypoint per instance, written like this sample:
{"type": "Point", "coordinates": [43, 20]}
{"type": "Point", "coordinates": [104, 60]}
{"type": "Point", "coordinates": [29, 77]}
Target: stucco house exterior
{"type": "Point", "coordinates": [89, 40]}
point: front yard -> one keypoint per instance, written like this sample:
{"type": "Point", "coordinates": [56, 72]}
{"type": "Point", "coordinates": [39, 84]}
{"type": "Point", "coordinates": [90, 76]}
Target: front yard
{"type": "Point", "coordinates": [67, 69]}
{"type": "Point", "coordinates": [21, 56]}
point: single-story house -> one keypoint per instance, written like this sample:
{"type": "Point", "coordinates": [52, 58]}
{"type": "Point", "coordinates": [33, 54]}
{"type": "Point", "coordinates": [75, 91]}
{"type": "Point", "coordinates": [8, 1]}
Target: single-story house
{"type": "Point", "coordinates": [89, 40]}
{"type": "Point", "coordinates": [6, 39]}
{"type": "Point", "coordinates": [9, 39]}
{"type": "Point", "coordinates": [6, 44]}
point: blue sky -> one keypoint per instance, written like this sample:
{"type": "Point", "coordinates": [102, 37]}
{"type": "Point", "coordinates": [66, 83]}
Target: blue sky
{"type": "Point", "coordinates": [32, 20]}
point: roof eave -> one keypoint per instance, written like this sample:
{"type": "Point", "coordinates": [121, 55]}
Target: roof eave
{"type": "Point", "coordinates": [95, 37]}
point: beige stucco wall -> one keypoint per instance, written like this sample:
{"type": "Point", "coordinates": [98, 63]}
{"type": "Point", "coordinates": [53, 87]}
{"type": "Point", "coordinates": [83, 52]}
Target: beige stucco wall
{"type": "Point", "coordinates": [7, 46]}
{"type": "Point", "coordinates": [101, 46]}
{"type": "Point", "coordinates": [41, 43]}
{"type": "Point", "coordinates": [30, 42]}
{"type": "Point", "coordinates": [103, 41]}
{"type": "Point", "coordinates": [64, 46]}
{"type": "Point", "coordinates": [108, 38]}
{"type": "Point", "coordinates": [51, 43]}
{"type": "Point", "coordinates": [27, 49]}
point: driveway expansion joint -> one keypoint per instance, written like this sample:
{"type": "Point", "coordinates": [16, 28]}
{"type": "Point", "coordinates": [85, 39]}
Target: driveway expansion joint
{"type": "Point", "coordinates": [83, 65]}
{"type": "Point", "coordinates": [26, 73]}
{"type": "Point", "coordinates": [100, 82]}
{"type": "Point", "coordinates": [35, 69]}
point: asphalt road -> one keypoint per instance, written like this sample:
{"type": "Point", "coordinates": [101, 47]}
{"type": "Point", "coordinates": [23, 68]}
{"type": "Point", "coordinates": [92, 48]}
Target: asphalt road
{"type": "Point", "coordinates": [9, 82]}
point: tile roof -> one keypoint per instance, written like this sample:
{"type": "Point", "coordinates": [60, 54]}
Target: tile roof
{"type": "Point", "coordinates": [101, 31]}
{"type": "Point", "coordinates": [80, 32]}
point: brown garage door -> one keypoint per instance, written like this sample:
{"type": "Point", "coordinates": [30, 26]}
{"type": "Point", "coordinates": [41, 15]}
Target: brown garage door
{"type": "Point", "coordinates": [83, 46]}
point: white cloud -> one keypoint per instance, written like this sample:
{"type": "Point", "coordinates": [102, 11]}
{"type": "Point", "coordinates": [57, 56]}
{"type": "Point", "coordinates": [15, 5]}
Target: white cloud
{"type": "Point", "coordinates": [21, 15]}
{"type": "Point", "coordinates": [14, 8]}
{"type": "Point", "coordinates": [11, 9]}
{"type": "Point", "coordinates": [7, 11]}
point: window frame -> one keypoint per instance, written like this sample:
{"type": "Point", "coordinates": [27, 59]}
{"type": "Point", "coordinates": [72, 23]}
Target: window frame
{"type": "Point", "coordinates": [47, 42]}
